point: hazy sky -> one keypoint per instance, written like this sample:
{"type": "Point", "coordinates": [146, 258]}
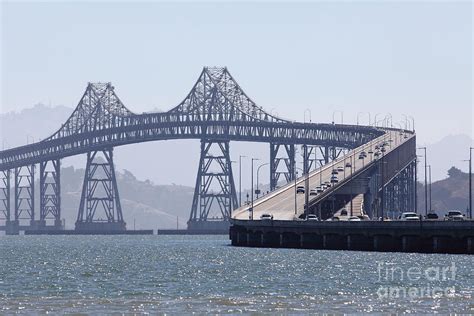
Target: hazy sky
{"type": "Point", "coordinates": [399, 57]}
{"type": "Point", "coordinates": [412, 58]}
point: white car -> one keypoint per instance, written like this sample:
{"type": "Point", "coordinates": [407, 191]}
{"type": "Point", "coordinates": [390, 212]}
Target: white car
{"type": "Point", "coordinates": [354, 219]}
{"type": "Point", "coordinates": [311, 217]}
{"type": "Point", "coordinates": [319, 189]}
{"type": "Point", "coordinates": [409, 216]}
{"type": "Point", "coordinates": [266, 217]}
{"type": "Point", "coordinates": [454, 216]}
{"type": "Point", "coordinates": [334, 179]}
{"type": "Point", "coordinates": [340, 169]}
{"type": "Point", "coordinates": [313, 192]}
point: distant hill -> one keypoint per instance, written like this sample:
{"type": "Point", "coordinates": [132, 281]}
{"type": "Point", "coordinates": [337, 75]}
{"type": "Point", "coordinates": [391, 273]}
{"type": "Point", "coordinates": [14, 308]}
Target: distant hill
{"type": "Point", "coordinates": [451, 193]}
{"type": "Point", "coordinates": [150, 206]}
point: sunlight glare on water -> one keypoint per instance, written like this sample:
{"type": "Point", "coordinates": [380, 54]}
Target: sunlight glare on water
{"type": "Point", "coordinates": [205, 274]}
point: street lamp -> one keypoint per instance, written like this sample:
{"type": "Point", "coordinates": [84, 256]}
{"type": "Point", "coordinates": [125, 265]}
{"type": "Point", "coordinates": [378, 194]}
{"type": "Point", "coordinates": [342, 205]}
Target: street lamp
{"type": "Point", "coordinates": [389, 116]}
{"type": "Point", "coordinates": [407, 122]}
{"type": "Point", "coordinates": [470, 182]}
{"type": "Point", "coordinates": [309, 111]}
{"type": "Point", "coordinates": [257, 191]}
{"type": "Point", "coordinates": [429, 170]}
{"type": "Point", "coordinates": [296, 177]}
{"type": "Point", "coordinates": [375, 119]}
{"type": "Point", "coordinates": [240, 179]}
{"type": "Point", "coordinates": [342, 116]}
{"type": "Point", "coordinates": [251, 207]}
{"type": "Point", "coordinates": [426, 183]}
{"type": "Point", "coordinates": [363, 113]}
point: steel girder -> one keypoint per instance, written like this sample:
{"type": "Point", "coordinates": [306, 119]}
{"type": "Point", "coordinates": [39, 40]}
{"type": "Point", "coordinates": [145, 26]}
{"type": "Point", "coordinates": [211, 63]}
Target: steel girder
{"type": "Point", "coordinates": [100, 195]}
{"type": "Point", "coordinates": [215, 108]}
{"type": "Point", "coordinates": [25, 192]}
{"type": "Point", "coordinates": [50, 191]}
{"type": "Point", "coordinates": [167, 127]}
{"type": "Point", "coordinates": [5, 198]}
{"type": "Point", "coordinates": [214, 167]}
{"type": "Point", "coordinates": [287, 168]}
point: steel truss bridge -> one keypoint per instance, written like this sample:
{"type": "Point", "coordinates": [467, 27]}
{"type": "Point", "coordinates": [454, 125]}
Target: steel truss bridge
{"type": "Point", "coordinates": [216, 111]}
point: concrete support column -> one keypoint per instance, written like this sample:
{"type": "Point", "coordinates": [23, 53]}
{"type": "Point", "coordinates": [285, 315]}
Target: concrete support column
{"type": "Point", "coordinates": [470, 245]}
{"type": "Point", "coordinates": [376, 243]}
{"type": "Point", "coordinates": [435, 244]}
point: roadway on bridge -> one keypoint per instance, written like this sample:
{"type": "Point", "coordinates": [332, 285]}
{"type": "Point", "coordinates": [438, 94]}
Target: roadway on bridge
{"type": "Point", "coordinates": [281, 202]}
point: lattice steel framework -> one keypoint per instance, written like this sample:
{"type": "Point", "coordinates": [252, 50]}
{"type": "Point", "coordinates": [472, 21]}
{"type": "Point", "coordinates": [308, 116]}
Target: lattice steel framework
{"type": "Point", "coordinates": [215, 108]}
{"type": "Point", "coordinates": [25, 193]}
{"type": "Point", "coordinates": [214, 169]}
{"type": "Point", "coordinates": [100, 194]}
{"type": "Point", "coordinates": [282, 162]}
{"type": "Point", "coordinates": [5, 198]}
{"type": "Point", "coordinates": [50, 191]}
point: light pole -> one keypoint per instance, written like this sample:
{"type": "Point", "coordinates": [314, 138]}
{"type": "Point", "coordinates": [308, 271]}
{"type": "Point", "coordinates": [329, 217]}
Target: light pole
{"type": "Point", "coordinates": [251, 207]}
{"type": "Point", "coordinates": [257, 191]}
{"type": "Point", "coordinates": [363, 113]}
{"type": "Point", "coordinates": [470, 182]}
{"type": "Point", "coordinates": [296, 176]}
{"type": "Point", "coordinates": [429, 168]}
{"type": "Point", "coordinates": [426, 183]}
{"type": "Point", "coordinates": [342, 117]}
{"type": "Point", "coordinates": [413, 123]}
{"type": "Point", "coordinates": [407, 122]}
{"type": "Point", "coordinates": [383, 180]}
{"type": "Point", "coordinates": [309, 111]}
{"type": "Point", "coordinates": [240, 179]}
{"type": "Point", "coordinates": [375, 119]}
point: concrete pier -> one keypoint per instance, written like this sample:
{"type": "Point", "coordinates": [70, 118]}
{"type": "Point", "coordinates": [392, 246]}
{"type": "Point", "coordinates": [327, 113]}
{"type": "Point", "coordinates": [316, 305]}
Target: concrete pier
{"type": "Point", "coordinates": [388, 236]}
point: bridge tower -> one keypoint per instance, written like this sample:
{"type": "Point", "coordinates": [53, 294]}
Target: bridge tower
{"type": "Point", "coordinates": [281, 153]}
{"type": "Point", "coordinates": [5, 201]}
{"type": "Point", "coordinates": [24, 194]}
{"type": "Point", "coordinates": [214, 168]}
{"type": "Point", "coordinates": [50, 192]}
{"type": "Point", "coordinates": [100, 207]}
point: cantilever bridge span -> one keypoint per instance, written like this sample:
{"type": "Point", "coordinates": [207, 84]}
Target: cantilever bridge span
{"type": "Point", "coordinates": [216, 111]}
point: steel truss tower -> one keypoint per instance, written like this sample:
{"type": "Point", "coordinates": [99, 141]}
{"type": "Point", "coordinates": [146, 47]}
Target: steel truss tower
{"type": "Point", "coordinates": [5, 195]}
{"type": "Point", "coordinates": [287, 169]}
{"type": "Point", "coordinates": [25, 193]}
{"type": "Point", "coordinates": [204, 195]}
{"type": "Point", "coordinates": [50, 192]}
{"type": "Point", "coordinates": [100, 202]}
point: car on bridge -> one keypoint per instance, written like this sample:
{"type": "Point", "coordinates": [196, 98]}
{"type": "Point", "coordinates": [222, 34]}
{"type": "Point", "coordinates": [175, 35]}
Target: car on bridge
{"type": "Point", "coordinates": [300, 189]}
{"type": "Point", "coordinates": [312, 217]}
{"type": "Point", "coordinates": [354, 219]}
{"type": "Point", "coordinates": [340, 169]}
{"type": "Point", "coordinates": [266, 217]}
{"type": "Point", "coordinates": [334, 172]}
{"type": "Point", "coordinates": [319, 189]}
{"type": "Point", "coordinates": [348, 165]}
{"type": "Point", "coordinates": [409, 216]}
{"type": "Point", "coordinates": [432, 216]}
{"type": "Point", "coordinates": [454, 216]}
{"type": "Point", "coordinates": [313, 192]}
{"type": "Point", "coordinates": [334, 179]}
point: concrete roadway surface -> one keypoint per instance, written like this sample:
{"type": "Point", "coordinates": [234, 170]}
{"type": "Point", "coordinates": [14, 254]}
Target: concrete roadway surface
{"type": "Point", "coordinates": [281, 202]}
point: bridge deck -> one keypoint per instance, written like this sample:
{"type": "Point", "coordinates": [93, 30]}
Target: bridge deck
{"type": "Point", "coordinates": [281, 203]}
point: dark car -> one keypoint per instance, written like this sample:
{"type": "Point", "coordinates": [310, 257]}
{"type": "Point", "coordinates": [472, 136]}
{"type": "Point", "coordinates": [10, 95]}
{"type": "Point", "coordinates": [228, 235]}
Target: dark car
{"type": "Point", "coordinates": [432, 216]}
